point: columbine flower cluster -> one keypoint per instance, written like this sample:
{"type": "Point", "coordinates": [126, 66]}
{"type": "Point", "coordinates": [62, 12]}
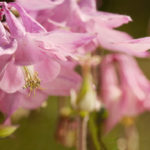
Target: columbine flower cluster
{"type": "Point", "coordinates": [34, 62]}
{"type": "Point", "coordinates": [41, 43]}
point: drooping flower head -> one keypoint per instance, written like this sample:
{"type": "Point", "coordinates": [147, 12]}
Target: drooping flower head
{"type": "Point", "coordinates": [124, 88]}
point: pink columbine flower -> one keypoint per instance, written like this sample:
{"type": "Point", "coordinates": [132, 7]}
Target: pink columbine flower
{"type": "Point", "coordinates": [124, 88]}
{"type": "Point", "coordinates": [38, 63]}
{"type": "Point", "coordinates": [38, 54]}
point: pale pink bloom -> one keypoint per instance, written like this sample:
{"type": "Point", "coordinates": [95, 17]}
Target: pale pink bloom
{"type": "Point", "coordinates": [124, 88]}
{"type": "Point", "coordinates": [37, 62]}
{"type": "Point", "coordinates": [37, 50]}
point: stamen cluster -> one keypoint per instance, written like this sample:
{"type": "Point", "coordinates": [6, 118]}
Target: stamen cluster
{"type": "Point", "coordinates": [32, 82]}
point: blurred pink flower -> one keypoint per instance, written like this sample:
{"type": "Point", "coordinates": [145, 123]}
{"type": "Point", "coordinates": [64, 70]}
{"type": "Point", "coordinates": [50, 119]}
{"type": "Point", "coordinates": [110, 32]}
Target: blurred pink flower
{"type": "Point", "coordinates": [124, 88]}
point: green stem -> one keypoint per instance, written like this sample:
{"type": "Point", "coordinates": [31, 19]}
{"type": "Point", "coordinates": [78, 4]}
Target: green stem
{"type": "Point", "coordinates": [96, 133]}
{"type": "Point", "coordinates": [93, 130]}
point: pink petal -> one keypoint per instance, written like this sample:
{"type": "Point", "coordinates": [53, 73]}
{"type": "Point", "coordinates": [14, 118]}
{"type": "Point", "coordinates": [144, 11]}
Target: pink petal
{"type": "Point", "coordinates": [38, 4]}
{"type": "Point", "coordinates": [47, 70]}
{"type": "Point", "coordinates": [3, 38]}
{"type": "Point", "coordinates": [15, 27]}
{"type": "Point", "coordinates": [135, 78]}
{"type": "Point", "coordinates": [67, 79]}
{"type": "Point", "coordinates": [62, 43]}
{"type": "Point", "coordinates": [28, 52]}
{"type": "Point", "coordinates": [110, 93]}
{"type": "Point", "coordinates": [32, 101]}
{"type": "Point", "coordinates": [90, 4]}
{"type": "Point", "coordinates": [139, 45]}
{"type": "Point", "coordinates": [9, 103]}
{"type": "Point", "coordinates": [30, 24]}
{"type": "Point", "coordinates": [12, 79]}
{"type": "Point", "coordinates": [6, 52]}
{"type": "Point", "coordinates": [111, 20]}
{"type": "Point", "coordinates": [114, 40]}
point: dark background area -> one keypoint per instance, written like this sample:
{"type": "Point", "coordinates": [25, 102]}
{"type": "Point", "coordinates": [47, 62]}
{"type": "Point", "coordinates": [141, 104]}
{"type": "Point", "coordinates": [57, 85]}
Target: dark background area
{"type": "Point", "coordinates": [37, 131]}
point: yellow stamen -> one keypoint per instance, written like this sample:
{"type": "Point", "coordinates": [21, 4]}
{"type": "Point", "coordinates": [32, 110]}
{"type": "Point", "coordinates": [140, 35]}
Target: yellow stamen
{"type": "Point", "coordinates": [32, 81]}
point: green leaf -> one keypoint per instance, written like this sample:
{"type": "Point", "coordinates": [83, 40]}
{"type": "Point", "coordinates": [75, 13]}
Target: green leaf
{"type": "Point", "coordinates": [7, 130]}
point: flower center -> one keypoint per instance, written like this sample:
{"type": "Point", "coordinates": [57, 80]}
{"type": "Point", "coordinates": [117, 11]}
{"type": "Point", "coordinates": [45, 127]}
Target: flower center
{"type": "Point", "coordinates": [32, 81]}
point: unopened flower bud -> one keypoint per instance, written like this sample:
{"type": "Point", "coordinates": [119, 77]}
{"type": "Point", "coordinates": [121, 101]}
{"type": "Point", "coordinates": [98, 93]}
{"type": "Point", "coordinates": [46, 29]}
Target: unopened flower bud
{"type": "Point", "coordinates": [86, 99]}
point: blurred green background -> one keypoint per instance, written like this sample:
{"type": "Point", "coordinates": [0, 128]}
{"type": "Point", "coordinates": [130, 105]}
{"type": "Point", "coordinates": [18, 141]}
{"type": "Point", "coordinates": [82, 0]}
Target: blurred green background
{"type": "Point", "coordinates": [37, 131]}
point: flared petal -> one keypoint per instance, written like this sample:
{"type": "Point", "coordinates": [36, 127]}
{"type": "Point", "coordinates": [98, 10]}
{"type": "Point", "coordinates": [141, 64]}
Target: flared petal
{"type": "Point", "coordinates": [109, 20]}
{"type": "Point", "coordinates": [62, 43]}
{"type": "Point", "coordinates": [139, 45]}
{"type": "Point", "coordinates": [111, 39]}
